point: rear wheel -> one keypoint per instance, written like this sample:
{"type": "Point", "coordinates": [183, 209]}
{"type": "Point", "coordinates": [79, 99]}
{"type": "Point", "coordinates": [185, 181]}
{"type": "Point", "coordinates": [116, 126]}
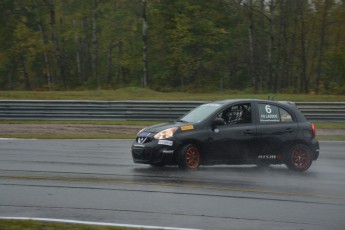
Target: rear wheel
{"type": "Point", "coordinates": [189, 157]}
{"type": "Point", "coordinates": [299, 158]}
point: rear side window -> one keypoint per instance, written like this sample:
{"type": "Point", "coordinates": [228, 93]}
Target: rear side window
{"type": "Point", "coordinates": [273, 114]}
{"type": "Point", "coordinates": [285, 116]}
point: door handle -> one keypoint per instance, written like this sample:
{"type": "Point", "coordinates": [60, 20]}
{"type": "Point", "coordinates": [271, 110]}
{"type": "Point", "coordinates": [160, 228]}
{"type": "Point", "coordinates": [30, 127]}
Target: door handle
{"type": "Point", "coordinates": [249, 132]}
{"type": "Point", "coordinates": [289, 130]}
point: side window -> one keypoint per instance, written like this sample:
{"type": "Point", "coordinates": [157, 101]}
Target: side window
{"type": "Point", "coordinates": [237, 114]}
{"type": "Point", "coordinates": [285, 116]}
{"type": "Point", "coordinates": [272, 114]}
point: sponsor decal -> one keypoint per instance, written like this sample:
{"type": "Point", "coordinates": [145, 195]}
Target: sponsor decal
{"type": "Point", "coordinates": [187, 127]}
{"type": "Point", "coordinates": [165, 142]}
{"type": "Point", "coordinates": [168, 151]}
{"type": "Point", "coordinates": [269, 116]}
{"type": "Point", "coordinates": [269, 113]}
{"type": "Point", "coordinates": [272, 157]}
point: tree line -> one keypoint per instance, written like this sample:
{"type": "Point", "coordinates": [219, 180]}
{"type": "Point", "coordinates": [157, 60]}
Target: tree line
{"type": "Point", "coordinates": [295, 46]}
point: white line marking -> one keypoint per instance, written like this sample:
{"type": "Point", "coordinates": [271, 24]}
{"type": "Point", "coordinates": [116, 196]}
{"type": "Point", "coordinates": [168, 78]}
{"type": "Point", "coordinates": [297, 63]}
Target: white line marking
{"type": "Point", "coordinates": [93, 223]}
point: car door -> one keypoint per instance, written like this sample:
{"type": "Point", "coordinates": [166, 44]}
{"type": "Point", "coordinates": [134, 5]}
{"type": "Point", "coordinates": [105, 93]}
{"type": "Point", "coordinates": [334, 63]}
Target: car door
{"type": "Point", "coordinates": [276, 131]}
{"type": "Point", "coordinates": [233, 142]}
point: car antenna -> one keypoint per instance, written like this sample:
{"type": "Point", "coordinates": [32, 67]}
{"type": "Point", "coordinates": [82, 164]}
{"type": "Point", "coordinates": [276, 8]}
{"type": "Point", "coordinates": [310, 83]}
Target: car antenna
{"type": "Point", "coordinates": [272, 98]}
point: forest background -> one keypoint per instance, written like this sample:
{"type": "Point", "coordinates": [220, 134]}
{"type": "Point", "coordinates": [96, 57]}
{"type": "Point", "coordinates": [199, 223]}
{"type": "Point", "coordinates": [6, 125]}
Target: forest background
{"type": "Point", "coordinates": [280, 46]}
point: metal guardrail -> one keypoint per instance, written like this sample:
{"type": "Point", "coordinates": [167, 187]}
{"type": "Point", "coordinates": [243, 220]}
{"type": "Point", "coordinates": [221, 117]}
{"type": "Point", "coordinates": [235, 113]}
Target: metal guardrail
{"type": "Point", "coordinates": [323, 111]}
{"type": "Point", "coordinates": [93, 110]}
{"type": "Point", "coordinates": [136, 110]}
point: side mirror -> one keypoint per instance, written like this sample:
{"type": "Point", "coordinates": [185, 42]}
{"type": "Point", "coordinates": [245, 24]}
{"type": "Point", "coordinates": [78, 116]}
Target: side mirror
{"type": "Point", "coordinates": [218, 121]}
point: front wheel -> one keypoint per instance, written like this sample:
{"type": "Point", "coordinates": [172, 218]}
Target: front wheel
{"type": "Point", "coordinates": [299, 158]}
{"type": "Point", "coordinates": [189, 157]}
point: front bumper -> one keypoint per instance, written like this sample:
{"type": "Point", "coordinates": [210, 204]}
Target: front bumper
{"type": "Point", "coordinates": [155, 152]}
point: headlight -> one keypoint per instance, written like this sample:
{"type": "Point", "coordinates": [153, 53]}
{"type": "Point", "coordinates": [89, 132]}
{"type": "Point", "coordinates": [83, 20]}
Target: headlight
{"type": "Point", "coordinates": [165, 133]}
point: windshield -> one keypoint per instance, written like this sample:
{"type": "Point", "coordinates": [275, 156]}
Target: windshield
{"type": "Point", "coordinates": [200, 113]}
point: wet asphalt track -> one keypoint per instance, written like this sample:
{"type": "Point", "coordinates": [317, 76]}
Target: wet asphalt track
{"type": "Point", "coordinates": [96, 180]}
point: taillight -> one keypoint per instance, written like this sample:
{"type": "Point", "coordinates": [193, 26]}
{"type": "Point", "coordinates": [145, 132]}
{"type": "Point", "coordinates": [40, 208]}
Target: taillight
{"type": "Point", "coordinates": [313, 129]}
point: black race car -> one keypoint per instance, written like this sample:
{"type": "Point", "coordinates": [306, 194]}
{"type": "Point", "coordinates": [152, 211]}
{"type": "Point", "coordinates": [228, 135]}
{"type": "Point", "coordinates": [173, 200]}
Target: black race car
{"type": "Point", "coordinates": [231, 132]}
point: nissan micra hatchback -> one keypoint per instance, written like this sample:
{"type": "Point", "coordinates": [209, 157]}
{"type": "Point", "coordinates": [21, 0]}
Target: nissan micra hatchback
{"type": "Point", "coordinates": [231, 132]}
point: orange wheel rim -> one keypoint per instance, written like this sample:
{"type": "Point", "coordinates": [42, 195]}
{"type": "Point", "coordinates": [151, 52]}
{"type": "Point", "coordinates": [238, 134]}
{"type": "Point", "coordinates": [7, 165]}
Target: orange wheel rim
{"type": "Point", "coordinates": [192, 157]}
{"type": "Point", "coordinates": [301, 158]}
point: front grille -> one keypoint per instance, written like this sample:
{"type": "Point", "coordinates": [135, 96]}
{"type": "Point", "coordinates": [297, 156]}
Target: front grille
{"type": "Point", "coordinates": [141, 154]}
{"type": "Point", "coordinates": [143, 140]}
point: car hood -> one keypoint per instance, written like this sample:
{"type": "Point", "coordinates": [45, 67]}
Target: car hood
{"type": "Point", "coordinates": [163, 126]}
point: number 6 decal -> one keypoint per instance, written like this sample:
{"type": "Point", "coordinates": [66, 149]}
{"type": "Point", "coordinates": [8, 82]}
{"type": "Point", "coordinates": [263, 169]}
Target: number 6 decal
{"type": "Point", "coordinates": [268, 109]}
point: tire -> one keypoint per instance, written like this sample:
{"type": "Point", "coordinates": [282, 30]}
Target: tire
{"type": "Point", "coordinates": [189, 157]}
{"type": "Point", "coordinates": [299, 158]}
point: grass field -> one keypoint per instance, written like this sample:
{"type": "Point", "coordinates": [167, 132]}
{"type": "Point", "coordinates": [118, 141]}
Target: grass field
{"type": "Point", "coordinates": [40, 225]}
{"type": "Point", "coordinates": [147, 94]}
{"type": "Point", "coordinates": [92, 122]}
